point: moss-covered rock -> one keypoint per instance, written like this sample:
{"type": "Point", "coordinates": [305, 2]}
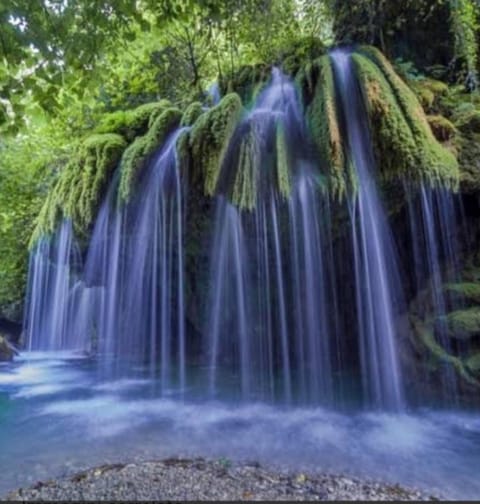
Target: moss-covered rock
{"type": "Point", "coordinates": [469, 122]}
{"type": "Point", "coordinates": [135, 156]}
{"type": "Point", "coordinates": [425, 334]}
{"type": "Point", "coordinates": [462, 324]}
{"type": "Point", "coordinates": [244, 191]}
{"type": "Point", "coordinates": [473, 363]}
{"type": "Point", "coordinates": [81, 184]}
{"type": "Point", "coordinates": [405, 146]}
{"type": "Point", "coordinates": [465, 291]}
{"type": "Point", "coordinates": [429, 92]}
{"type": "Point", "coordinates": [132, 123]}
{"type": "Point", "coordinates": [210, 137]}
{"type": "Point", "coordinates": [323, 122]}
{"type": "Point", "coordinates": [283, 161]}
{"type": "Point", "coordinates": [468, 145]}
{"type": "Point", "coordinates": [246, 81]}
{"type": "Point", "coordinates": [7, 351]}
{"type": "Point", "coordinates": [442, 128]}
{"type": "Point", "coordinates": [191, 114]}
{"type": "Point", "coordinates": [299, 53]}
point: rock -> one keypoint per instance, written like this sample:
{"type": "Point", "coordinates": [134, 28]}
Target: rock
{"type": "Point", "coordinates": [7, 350]}
{"type": "Point", "coordinates": [441, 127]}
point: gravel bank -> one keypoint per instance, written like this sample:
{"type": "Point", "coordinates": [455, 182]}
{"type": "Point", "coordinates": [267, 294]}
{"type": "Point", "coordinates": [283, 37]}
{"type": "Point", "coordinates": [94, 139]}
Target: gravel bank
{"type": "Point", "coordinates": [178, 479]}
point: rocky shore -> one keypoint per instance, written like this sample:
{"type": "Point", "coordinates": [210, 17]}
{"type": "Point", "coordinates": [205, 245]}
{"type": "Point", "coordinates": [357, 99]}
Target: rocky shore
{"type": "Point", "coordinates": [199, 479]}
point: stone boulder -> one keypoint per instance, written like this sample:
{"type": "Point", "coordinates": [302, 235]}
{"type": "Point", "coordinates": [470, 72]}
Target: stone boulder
{"type": "Point", "coordinates": [7, 350]}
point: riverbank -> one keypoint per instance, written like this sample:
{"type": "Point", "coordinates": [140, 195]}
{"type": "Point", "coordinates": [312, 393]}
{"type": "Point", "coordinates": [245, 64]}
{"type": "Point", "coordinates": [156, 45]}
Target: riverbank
{"type": "Point", "coordinates": [200, 479]}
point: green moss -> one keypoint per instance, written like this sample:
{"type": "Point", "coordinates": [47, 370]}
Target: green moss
{"type": "Point", "coordinates": [305, 78]}
{"type": "Point", "coordinates": [469, 122]}
{"type": "Point", "coordinates": [404, 143]}
{"type": "Point", "coordinates": [441, 127]}
{"type": "Point", "coordinates": [283, 162]}
{"type": "Point", "coordinates": [473, 363]}
{"type": "Point", "coordinates": [425, 96]}
{"type": "Point", "coordinates": [132, 123]}
{"type": "Point", "coordinates": [429, 92]}
{"type": "Point", "coordinates": [394, 142]}
{"type": "Point", "coordinates": [139, 151]}
{"type": "Point", "coordinates": [468, 291]}
{"type": "Point", "coordinates": [469, 160]}
{"type": "Point", "coordinates": [184, 157]}
{"type": "Point", "coordinates": [210, 137]}
{"type": "Point", "coordinates": [244, 193]}
{"type": "Point", "coordinates": [246, 81]}
{"type": "Point", "coordinates": [191, 114]}
{"type": "Point", "coordinates": [80, 186]}
{"type": "Point", "coordinates": [298, 53]}
{"type": "Point", "coordinates": [425, 334]}
{"type": "Point", "coordinates": [462, 324]}
{"type": "Point", "coordinates": [321, 116]}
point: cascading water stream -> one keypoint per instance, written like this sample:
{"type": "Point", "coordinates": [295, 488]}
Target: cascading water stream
{"type": "Point", "coordinates": [433, 226]}
{"type": "Point", "coordinates": [56, 302]}
{"type": "Point", "coordinates": [268, 259]}
{"type": "Point", "coordinates": [276, 323]}
{"type": "Point", "coordinates": [128, 299]}
{"type": "Point", "coordinates": [140, 251]}
{"type": "Point", "coordinates": [377, 279]}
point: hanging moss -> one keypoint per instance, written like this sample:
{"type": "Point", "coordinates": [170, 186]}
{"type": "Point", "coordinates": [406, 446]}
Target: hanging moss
{"type": "Point", "coordinates": [305, 80]}
{"type": "Point", "coordinates": [244, 193]}
{"type": "Point", "coordinates": [283, 161]}
{"type": "Point", "coordinates": [404, 143]}
{"type": "Point", "coordinates": [183, 155]}
{"type": "Point", "coordinates": [139, 151]}
{"type": "Point", "coordinates": [322, 119]}
{"type": "Point", "coordinates": [191, 114]}
{"type": "Point", "coordinates": [79, 189]}
{"type": "Point", "coordinates": [210, 137]}
{"type": "Point", "coordinates": [132, 123]}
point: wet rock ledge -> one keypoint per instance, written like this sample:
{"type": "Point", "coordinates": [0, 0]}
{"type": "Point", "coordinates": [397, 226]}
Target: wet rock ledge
{"type": "Point", "coordinates": [199, 479]}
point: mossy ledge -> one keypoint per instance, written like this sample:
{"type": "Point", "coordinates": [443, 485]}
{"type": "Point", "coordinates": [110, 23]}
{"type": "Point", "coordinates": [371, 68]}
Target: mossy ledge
{"type": "Point", "coordinates": [191, 114]}
{"type": "Point", "coordinates": [135, 156]}
{"type": "Point", "coordinates": [323, 122]}
{"type": "Point", "coordinates": [132, 123]}
{"type": "Point", "coordinates": [77, 192]}
{"type": "Point", "coordinates": [210, 137]}
{"type": "Point", "coordinates": [404, 143]}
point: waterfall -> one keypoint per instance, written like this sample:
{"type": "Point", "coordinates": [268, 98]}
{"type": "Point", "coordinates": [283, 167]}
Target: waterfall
{"type": "Point", "coordinates": [433, 217]}
{"type": "Point", "coordinates": [376, 274]}
{"type": "Point", "coordinates": [130, 292]}
{"type": "Point", "coordinates": [267, 314]}
{"type": "Point", "coordinates": [57, 305]}
{"type": "Point", "coordinates": [136, 255]}
{"type": "Point", "coordinates": [295, 297]}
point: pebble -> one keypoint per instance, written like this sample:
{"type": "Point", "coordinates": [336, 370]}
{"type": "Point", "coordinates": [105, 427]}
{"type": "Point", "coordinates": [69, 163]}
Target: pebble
{"type": "Point", "coordinates": [200, 479]}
